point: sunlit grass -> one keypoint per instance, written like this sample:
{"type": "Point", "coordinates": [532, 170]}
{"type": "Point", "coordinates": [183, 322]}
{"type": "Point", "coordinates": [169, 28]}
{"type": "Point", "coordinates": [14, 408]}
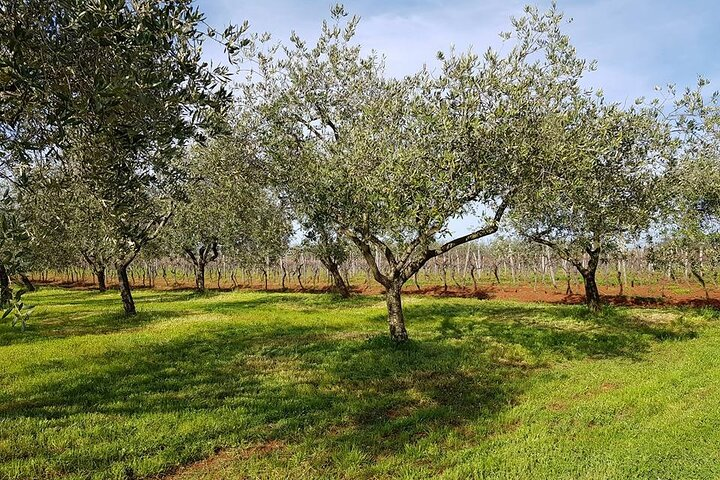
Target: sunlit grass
{"type": "Point", "coordinates": [308, 386]}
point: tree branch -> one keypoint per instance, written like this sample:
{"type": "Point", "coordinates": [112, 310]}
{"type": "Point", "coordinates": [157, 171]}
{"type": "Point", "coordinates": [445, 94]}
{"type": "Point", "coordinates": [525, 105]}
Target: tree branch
{"type": "Point", "coordinates": [367, 253]}
{"type": "Point", "coordinates": [191, 254]}
{"type": "Point", "coordinates": [431, 253]}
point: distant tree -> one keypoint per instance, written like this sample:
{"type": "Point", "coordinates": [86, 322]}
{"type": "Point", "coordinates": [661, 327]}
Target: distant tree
{"type": "Point", "coordinates": [68, 226]}
{"type": "Point", "coordinates": [332, 251]}
{"type": "Point", "coordinates": [697, 175]}
{"type": "Point", "coordinates": [691, 251]}
{"type": "Point", "coordinates": [606, 188]}
{"type": "Point", "coordinates": [269, 242]}
{"type": "Point", "coordinates": [228, 207]}
{"type": "Point", "coordinates": [387, 163]}
{"type": "Point", "coordinates": [690, 230]}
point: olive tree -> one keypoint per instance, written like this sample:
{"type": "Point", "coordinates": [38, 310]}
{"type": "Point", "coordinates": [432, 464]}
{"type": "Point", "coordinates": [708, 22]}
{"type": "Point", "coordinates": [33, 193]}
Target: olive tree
{"type": "Point", "coordinates": [115, 91]}
{"type": "Point", "coordinates": [606, 188]}
{"type": "Point", "coordinates": [332, 251]}
{"type": "Point", "coordinates": [697, 174]}
{"type": "Point", "coordinates": [683, 248]}
{"type": "Point", "coordinates": [690, 232]}
{"type": "Point", "coordinates": [69, 226]}
{"type": "Point", "coordinates": [52, 52]}
{"type": "Point", "coordinates": [228, 206]}
{"type": "Point", "coordinates": [388, 162]}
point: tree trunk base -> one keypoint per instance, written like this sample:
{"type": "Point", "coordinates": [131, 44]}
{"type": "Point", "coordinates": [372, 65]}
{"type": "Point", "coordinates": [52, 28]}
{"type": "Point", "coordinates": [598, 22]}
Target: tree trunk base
{"type": "Point", "coordinates": [592, 294]}
{"type": "Point", "coordinates": [125, 292]}
{"type": "Point", "coordinates": [102, 285]}
{"type": "Point", "coordinates": [5, 292]}
{"type": "Point", "coordinates": [396, 318]}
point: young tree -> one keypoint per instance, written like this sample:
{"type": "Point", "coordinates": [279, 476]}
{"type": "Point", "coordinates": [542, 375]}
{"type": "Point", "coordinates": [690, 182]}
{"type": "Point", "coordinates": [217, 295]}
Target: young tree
{"type": "Point", "coordinates": [606, 188]}
{"type": "Point", "coordinates": [387, 163]}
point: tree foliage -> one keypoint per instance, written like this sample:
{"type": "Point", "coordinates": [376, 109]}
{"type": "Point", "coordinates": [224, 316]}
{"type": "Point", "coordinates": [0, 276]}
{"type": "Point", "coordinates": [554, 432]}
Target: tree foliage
{"type": "Point", "coordinates": [228, 206]}
{"type": "Point", "coordinates": [610, 161]}
{"type": "Point", "coordinates": [112, 92]}
{"type": "Point", "coordinates": [389, 162]}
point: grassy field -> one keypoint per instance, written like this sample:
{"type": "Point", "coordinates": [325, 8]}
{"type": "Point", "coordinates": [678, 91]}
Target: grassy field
{"type": "Point", "coordinates": [263, 385]}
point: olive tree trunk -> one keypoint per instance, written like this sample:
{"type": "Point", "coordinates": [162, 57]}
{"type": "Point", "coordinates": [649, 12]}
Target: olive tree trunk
{"type": "Point", "coordinates": [404, 264]}
{"type": "Point", "coordinates": [26, 282]}
{"type": "Point", "coordinates": [200, 259]}
{"type": "Point", "coordinates": [200, 276]}
{"type": "Point", "coordinates": [102, 283]}
{"type": "Point", "coordinates": [125, 292]}
{"type": "Point", "coordinates": [5, 293]}
{"type": "Point", "coordinates": [592, 294]}
{"type": "Point", "coordinates": [338, 281]}
{"type": "Point", "coordinates": [396, 318]}
{"type": "Point", "coordinates": [698, 276]}
{"type": "Point", "coordinates": [98, 268]}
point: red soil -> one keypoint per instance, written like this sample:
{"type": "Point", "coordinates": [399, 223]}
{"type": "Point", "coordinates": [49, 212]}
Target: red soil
{"type": "Point", "coordinates": [639, 295]}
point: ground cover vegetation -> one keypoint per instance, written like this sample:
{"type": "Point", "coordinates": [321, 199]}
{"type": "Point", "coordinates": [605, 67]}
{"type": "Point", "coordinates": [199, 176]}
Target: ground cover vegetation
{"type": "Point", "coordinates": [271, 385]}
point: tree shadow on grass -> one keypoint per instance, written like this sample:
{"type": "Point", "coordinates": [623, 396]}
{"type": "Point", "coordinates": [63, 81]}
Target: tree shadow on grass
{"type": "Point", "coordinates": [305, 303]}
{"type": "Point", "coordinates": [566, 331]}
{"type": "Point", "coordinates": [46, 326]}
{"type": "Point", "coordinates": [101, 299]}
{"type": "Point", "coordinates": [296, 385]}
{"type": "Point", "coordinates": [95, 313]}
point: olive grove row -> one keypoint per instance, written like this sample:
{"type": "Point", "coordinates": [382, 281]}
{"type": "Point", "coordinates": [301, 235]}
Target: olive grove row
{"type": "Point", "coordinates": [119, 143]}
{"type": "Point", "coordinates": [476, 268]}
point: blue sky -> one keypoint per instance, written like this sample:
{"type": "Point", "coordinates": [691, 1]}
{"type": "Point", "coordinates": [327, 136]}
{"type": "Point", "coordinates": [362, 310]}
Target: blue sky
{"type": "Point", "coordinates": [637, 43]}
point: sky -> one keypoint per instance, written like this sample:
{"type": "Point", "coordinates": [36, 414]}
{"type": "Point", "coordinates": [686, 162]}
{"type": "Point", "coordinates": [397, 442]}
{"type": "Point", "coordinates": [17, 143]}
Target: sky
{"type": "Point", "coordinates": [637, 44]}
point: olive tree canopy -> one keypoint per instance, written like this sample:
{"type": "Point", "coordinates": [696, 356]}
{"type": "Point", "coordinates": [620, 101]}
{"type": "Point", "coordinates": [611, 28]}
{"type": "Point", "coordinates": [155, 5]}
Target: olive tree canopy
{"type": "Point", "coordinates": [690, 227]}
{"type": "Point", "coordinates": [112, 92]}
{"type": "Point", "coordinates": [607, 188]}
{"type": "Point", "coordinates": [228, 207]}
{"type": "Point", "coordinates": [389, 162]}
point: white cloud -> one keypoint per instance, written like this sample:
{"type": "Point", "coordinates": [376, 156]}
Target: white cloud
{"type": "Point", "coordinates": [637, 44]}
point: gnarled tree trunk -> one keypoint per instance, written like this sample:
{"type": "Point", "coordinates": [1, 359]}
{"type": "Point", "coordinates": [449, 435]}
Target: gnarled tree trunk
{"type": "Point", "coordinates": [338, 281]}
{"type": "Point", "coordinates": [125, 291]}
{"type": "Point", "coordinates": [102, 283]}
{"type": "Point", "coordinates": [26, 282]}
{"type": "Point", "coordinates": [98, 268]}
{"type": "Point", "coordinates": [699, 277]}
{"type": "Point", "coordinates": [200, 276]}
{"type": "Point", "coordinates": [205, 255]}
{"type": "Point", "coordinates": [592, 294]}
{"type": "Point", "coordinates": [5, 292]}
{"type": "Point", "coordinates": [409, 261]}
{"type": "Point", "coordinates": [396, 318]}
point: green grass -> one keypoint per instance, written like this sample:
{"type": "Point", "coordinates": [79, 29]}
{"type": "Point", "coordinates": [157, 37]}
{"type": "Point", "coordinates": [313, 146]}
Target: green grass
{"type": "Point", "coordinates": [308, 386]}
